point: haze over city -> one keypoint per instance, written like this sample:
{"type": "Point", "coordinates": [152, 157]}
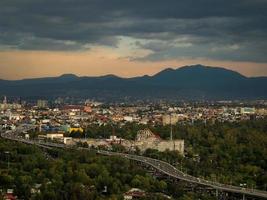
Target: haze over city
{"type": "Point", "coordinates": [130, 38]}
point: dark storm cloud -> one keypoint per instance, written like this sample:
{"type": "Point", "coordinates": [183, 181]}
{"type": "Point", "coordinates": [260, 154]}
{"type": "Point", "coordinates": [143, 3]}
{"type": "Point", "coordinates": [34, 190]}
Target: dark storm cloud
{"type": "Point", "coordinates": [216, 29]}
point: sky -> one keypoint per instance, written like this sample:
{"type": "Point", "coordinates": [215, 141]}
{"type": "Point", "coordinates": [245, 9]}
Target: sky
{"type": "Point", "coordinates": [40, 38]}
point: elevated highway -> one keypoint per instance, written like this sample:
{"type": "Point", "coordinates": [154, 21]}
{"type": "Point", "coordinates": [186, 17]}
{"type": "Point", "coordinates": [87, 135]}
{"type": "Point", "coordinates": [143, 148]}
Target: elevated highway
{"type": "Point", "coordinates": [159, 165]}
{"type": "Point", "coordinates": [173, 172]}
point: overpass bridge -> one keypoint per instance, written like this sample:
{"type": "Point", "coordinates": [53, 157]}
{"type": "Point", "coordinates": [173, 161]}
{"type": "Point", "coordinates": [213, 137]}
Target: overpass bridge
{"type": "Point", "coordinates": [173, 172]}
{"type": "Point", "coordinates": [159, 165]}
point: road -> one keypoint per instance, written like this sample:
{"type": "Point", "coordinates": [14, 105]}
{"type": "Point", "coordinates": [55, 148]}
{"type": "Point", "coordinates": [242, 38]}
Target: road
{"type": "Point", "coordinates": [161, 166]}
{"type": "Point", "coordinates": [170, 170]}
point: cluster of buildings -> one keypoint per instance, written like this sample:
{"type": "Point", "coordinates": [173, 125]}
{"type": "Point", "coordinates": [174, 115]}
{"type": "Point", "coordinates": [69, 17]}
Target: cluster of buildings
{"type": "Point", "coordinates": [59, 120]}
{"type": "Point", "coordinates": [6, 106]}
{"type": "Point", "coordinates": [145, 139]}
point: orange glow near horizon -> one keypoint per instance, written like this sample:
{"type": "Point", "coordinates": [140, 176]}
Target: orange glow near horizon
{"type": "Point", "coordinates": [100, 61]}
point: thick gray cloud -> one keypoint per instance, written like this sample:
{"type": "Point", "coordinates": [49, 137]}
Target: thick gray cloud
{"type": "Point", "coordinates": [215, 29]}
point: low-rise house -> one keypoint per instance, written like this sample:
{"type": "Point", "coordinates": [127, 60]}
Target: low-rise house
{"type": "Point", "coordinates": [9, 195]}
{"type": "Point", "coordinates": [134, 193]}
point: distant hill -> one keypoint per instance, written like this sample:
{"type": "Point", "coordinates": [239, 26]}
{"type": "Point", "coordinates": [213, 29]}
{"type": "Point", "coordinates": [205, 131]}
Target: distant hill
{"type": "Point", "coordinates": [188, 83]}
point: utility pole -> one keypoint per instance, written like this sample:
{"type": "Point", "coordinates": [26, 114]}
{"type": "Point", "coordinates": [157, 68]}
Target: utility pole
{"type": "Point", "coordinates": [171, 126]}
{"type": "Point", "coordinates": [171, 133]}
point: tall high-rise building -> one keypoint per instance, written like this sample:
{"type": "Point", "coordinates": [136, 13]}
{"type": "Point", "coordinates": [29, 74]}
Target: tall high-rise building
{"type": "Point", "coordinates": [5, 100]}
{"type": "Point", "coordinates": [42, 103]}
{"type": "Point", "coordinates": [170, 119]}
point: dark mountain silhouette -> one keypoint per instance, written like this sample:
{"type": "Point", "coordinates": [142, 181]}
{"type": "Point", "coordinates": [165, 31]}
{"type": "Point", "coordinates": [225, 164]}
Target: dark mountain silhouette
{"type": "Point", "coordinates": [189, 82]}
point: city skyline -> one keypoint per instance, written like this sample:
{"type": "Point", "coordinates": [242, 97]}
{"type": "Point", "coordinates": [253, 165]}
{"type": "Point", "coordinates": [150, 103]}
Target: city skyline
{"type": "Point", "coordinates": [130, 38]}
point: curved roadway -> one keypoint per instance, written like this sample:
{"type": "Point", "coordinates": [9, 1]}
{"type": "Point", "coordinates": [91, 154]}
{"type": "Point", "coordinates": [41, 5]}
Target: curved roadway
{"type": "Point", "coordinates": [170, 170]}
{"type": "Point", "coordinates": [161, 166]}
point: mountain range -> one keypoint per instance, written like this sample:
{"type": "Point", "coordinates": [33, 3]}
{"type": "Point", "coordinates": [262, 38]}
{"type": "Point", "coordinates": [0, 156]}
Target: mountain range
{"type": "Point", "coordinates": [196, 82]}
